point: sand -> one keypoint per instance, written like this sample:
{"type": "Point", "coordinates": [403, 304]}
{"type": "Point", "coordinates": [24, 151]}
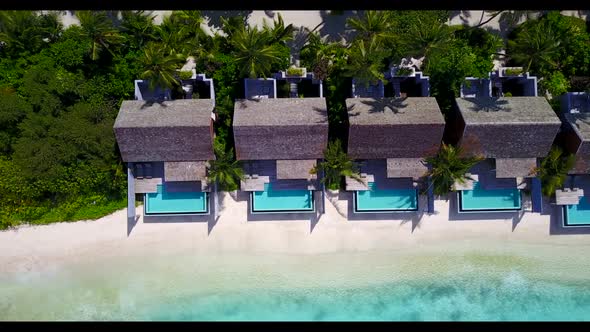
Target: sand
{"type": "Point", "coordinates": [42, 248]}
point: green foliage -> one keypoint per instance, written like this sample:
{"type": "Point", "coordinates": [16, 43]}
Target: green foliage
{"type": "Point", "coordinates": [159, 68]}
{"type": "Point", "coordinates": [365, 62]}
{"type": "Point", "coordinates": [335, 165]}
{"type": "Point", "coordinates": [373, 25]}
{"type": "Point", "coordinates": [27, 32]}
{"type": "Point", "coordinates": [556, 84]}
{"type": "Point", "coordinates": [513, 72]}
{"type": "Point", "coordinates": [225, 170]}
{"type": "Point", "coordinates": [535, 47]}
{"type": "Point", "coordinates": [449, 166]}
{"type": "Point", "coordinates": [293, 71]}
{"type": "Point", "coordinates": [447, 70]}
{"type": "Point", "coordinates": [185, 75]}
{"type": "Point", "coordinates": [404, 71]}
{"type": "Point", "coordinates": [99, 29]}
{"type": "Point", "coordinates": [553, 170]}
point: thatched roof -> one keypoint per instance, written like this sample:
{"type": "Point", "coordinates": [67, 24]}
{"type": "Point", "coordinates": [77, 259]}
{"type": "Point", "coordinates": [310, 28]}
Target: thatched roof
{"type": "Point", "coordinates": [177, 130]}
{"type": "Point", "coordinates": [283, 128]}
{"type": "Point", "coordinates": [406, 168]}
{"type": "Point", "coordinates": [295, 169]}
{"type": "Point", "coordinates": [512, 127]}
{"type": "Point", "coordinates": [580, 123]}
{"type": "Point", "coordinates": [394, 127]}
{"type": "Point", "coordinates": [515, 167]}
{"type": "Point", "coordinates": [185, 170]}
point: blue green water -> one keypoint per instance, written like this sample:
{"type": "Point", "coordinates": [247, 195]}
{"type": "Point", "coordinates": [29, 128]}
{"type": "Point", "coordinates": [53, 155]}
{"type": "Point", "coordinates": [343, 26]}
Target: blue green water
{"type": "Point", "coordinates": [579, 214]}
{"type": "Point", "coordinates": [175, 202]}
{"type": "Point", "coordinates": [339, 287]}
{"type": "Point", "coordinates": [386, 199]}
{"type": "Point", "coordinates": [282, 200]}
{"type": "Point", "coordinates": [491, 199]}
{"type": "Point", "coordinates": [461, 300]}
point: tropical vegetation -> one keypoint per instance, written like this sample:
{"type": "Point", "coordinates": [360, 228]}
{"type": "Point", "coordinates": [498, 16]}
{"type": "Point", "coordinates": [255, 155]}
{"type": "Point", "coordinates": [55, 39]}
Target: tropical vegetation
{"type": "Point", "coordinates": [553, 170]}
{"type": "Point", "coordinates": [61, 88]}
{"type": "Point", "coordinates": [336, 164]}
{"type": "Point", "coordinates": [451, 164]}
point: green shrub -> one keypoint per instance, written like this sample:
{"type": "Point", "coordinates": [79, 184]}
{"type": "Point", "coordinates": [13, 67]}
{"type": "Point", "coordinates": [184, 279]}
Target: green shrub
{"type": "Point", "coordinates": [404, 71]}
{"type": "Point", "coordinates": [294, 71]}
{"type": "Point", "coordinates": [513, 71]}
{"type": "Point", "coordinates": [185, 74]}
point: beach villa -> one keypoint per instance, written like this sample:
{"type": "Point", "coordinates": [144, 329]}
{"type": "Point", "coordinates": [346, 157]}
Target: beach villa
{"type": "Point", "coordinates": [166, 145]}
{"type": "Point", "coordinates": [574, 199]}
{"type": "Point", "coordinates": [389, 138]}
{"type": "Point", "coordinates": [511, 133]}
{"type": "Point", "coordinates": [279, 141]}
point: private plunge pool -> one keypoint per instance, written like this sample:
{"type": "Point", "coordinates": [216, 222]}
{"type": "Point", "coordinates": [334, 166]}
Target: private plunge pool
{"type": "Point", "coordinates": [385, 200]}
{"type": "Point", "coordinates": [163, 202]}
{"type": "Point", "coordinates": [489, 200]}
{"type": "Point", "coordinates": [281, 201]}
{"type": "Point", "coordinates": [577, 215]}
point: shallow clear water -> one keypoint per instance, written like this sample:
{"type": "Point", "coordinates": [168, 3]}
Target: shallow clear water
{"type": "Point", "coordinates": [282, 200]}
{"type": "Point", "coordinates": [297, 288]}
{"type": "Point", "coordinates": [491, 199]}
{"type": "Point", "coordinates": [579, 214]}
{"type": "Point", "coordinates": [386, 200]}
{"type": "Point", "coordinates": [175, 202]}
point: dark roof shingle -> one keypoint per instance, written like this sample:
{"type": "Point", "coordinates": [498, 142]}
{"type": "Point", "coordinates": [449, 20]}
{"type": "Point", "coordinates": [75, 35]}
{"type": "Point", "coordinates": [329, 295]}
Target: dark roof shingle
{"type": "Point", "coordinates": [512, 127]}
{"type": "Point", "coordinates": [283, 128]}
{"type": "Point", "coordinates": [178, 130]}
{"type": "Point", "coordinates": [394, 127]}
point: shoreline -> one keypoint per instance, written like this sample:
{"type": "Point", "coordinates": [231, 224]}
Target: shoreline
{"type": "Point", "coordinates": [37, 249]}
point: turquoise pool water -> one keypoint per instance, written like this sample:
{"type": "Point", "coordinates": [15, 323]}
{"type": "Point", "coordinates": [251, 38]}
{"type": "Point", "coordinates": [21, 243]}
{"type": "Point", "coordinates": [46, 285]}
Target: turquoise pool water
{"type": "Point", "coordinates": [386, 200]}
{"type": "Point", "coordinates": [578, 215]}
{"type": "Point", "coordinates": [271, 200]}
{"type": "Point", "coordinates": [479, 199]}
{"type": "Point", "coordinates": [164, 202]}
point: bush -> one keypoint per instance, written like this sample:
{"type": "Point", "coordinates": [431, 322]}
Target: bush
{"type": "Point", "coordinates": [185, 75]}
{"type": "Point", "coordinates": [404, 71]}
{"type": "Point", "coordinates": [294, 71]}
{"type": "Point", "coordinates": [513, 71]}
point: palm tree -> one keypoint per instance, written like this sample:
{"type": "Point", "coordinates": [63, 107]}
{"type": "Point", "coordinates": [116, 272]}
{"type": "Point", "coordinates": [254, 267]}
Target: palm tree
{"type": "Point", "coordinates": [554, 169]}
{"type": "Point", "coordinates": [321, 56]}
{"type": "Point", "coordinates": [22, 31]}
{"type": "Point", "coordinates": [97, 27]}
{"type": "Point", "coordinates": [279, 33]}
{"type": "Point", "coordinates": [159, 68]}
{"type": "Point", "coordinates": [255, 55]}
{"type": "Point", "coordinates": [536, 46]}
{"type": "Point", "coordinates": [449, 166]}
{"type": "Point", "coordinates": [335, 165]}
{"type": "Point", "coordinates": [374, 24]}
{"type": "Point", "coordinates": [423, 37]}
{"type": "Point", "coordinates": [225, 170]}
{"type": "Point", "coordinates": [365, 62]}
{"type": "Point", "coordinates": [140, 25]}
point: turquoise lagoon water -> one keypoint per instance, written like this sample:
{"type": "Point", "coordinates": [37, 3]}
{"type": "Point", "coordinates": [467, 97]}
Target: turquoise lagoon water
{"type": "Point", "coordinates": [282, 200]}
{"type": "Point", "coordinates": [295, 289]}
{"type": "Point", "coordinates": [164, 202]}
{"type": "Point", "coordinates": [578, 214]}
{"type": "Point", "coordinates": [386, 200]}
{"type": "Point", "coordinates": [479, 199]}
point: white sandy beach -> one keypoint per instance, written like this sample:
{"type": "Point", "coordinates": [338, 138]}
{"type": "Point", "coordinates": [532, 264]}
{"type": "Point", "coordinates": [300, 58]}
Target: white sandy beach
{"type": "Point", "coordinates": [41, 248]}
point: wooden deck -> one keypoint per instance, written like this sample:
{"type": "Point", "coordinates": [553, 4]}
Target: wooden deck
{"type": "Point", "coordinates": [265, 171]}
{"type": "Point", "coordinates": [376, 171]}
